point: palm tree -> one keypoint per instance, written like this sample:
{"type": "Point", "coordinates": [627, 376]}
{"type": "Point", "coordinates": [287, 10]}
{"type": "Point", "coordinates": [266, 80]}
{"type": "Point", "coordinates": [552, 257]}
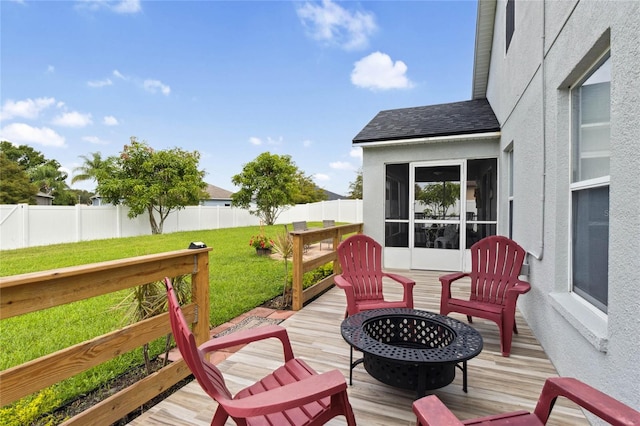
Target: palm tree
{"type": "Point", "coordinates": [48, 177]}
{"type": "Point", "coordinates": [90, 168]}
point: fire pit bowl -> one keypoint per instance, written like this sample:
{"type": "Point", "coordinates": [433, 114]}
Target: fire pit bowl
{"type": "Point", "coordinates": [411, 349]}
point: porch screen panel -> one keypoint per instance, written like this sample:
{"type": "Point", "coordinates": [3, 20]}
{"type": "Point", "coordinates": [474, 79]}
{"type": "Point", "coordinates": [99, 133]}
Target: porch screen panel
{"type": "Point", "coordinates": [482, 200]}
{"type": "Point", "coordinates": [397, 205]}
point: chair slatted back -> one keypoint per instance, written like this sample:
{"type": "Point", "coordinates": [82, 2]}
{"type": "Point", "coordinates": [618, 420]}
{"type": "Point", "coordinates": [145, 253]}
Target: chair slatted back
{"type": "Point", "coordinates": [495, 266]}
{"type": "Point", "coordinates": [208, 375]}
{"type": "Point", "coordinates": [361, 262]}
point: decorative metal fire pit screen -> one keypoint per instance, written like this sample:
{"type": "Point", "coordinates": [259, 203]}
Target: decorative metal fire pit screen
{"type": "Point", "coordinates": [411, 349]}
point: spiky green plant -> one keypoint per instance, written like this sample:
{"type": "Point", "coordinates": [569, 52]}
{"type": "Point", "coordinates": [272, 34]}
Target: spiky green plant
{"type": "Point", "coordinates": [283, 245]}
{"type": "Point", "coordinates": [149, 300]}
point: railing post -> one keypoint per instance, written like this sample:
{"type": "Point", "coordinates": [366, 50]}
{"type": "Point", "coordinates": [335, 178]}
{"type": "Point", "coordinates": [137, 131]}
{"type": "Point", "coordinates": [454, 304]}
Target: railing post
{"type": "Point", "coordinates": [296, 288]}
{"type": "Point", "coordinates": [200, 296]}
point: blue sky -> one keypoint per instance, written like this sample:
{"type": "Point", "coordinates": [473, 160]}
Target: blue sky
{"type": "Point", "coordinates": [230, 79]}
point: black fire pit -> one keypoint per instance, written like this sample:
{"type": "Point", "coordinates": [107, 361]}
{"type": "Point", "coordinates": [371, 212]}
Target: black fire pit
{"type": "Point", "coordinates": [411, 349]}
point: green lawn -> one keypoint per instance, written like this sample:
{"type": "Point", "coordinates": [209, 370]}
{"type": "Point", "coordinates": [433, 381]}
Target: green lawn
{"type": "Point", "coordinates": [239, 281]}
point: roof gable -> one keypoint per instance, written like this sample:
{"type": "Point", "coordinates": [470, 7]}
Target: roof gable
{"type": "Point", "coordinates": [457, 118]}
{"type": "Point", "coordinates": [217, 193]}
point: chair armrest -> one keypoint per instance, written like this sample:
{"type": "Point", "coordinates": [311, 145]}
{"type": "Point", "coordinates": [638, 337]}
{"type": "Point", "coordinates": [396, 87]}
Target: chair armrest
{"type": "Point", "coordinates": [449, 278]}
{"type": "Point", "coordinates": [342, 283]}
{"type": "Point", "coordinates": [348, 292]}
{"type": "Point", "coordinates": [248, 336]}
{"type": "Point", "coordinates": [430, 411]}
{"type": "Point", "coordinates": [591, 399]}
{"type": "Point", "coordinates": [521, 287]}
{"type": "Point", "coordinates": [288, 396]}
{"type": "Point", "coordinates": [407, 285]}
{"type": "Point", "coordinates": [399, 278]}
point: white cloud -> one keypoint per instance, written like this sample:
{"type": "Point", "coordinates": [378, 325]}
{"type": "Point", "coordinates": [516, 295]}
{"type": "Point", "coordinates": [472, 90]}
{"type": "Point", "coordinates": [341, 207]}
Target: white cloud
{"type": "Point", "coordinates": [118, 74]}
{"type": "Point", "coordinates": [127, 6]}
{"type": "Point", "coordinates": [378, 72]}
{"type": "Point", "coordinates": [27, 108]}
{"type": "Point", "coordinates": [254, 140]}
{"type": "Point", "coordinates": [20, 133]}
{"type": "Point", "coordinates": [307, 143]}
{"type": "Point", "coordinates": [51, 69]}
{"type": "Point", "coordinates": [321, 177]}
{"type": "Point", "coordinates": [100, 83]}
{"type": "Point", "coordinates": [153, 86]}
{"type": "Point", "coordinates": [94, 140]}
{"type": "Point", "coordinates": [356, 153]}
{"type": "Point", "coordinates": [110, 120]}
{"type": "Point", "coordinates": [341, 165]}
{"type": "Point", "coordinates": [73, 119]}
{"type": "Point", "coordinates": [272, 141]}
{"type": "Point", "coordinates": [332, 24]}
{"type": "Point", "coordinates": [120, 6]}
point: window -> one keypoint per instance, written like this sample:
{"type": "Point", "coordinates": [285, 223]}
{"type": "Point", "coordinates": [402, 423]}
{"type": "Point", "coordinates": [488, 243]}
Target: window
{"type": "Point", "coordinates": [510, 23]}
{"type": "Point", "coordinates": [591, 107]}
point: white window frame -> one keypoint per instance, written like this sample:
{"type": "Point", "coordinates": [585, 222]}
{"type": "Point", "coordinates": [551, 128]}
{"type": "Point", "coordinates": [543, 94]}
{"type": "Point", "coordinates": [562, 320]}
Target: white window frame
{"type": "Point", "coordinates": [579, 185]}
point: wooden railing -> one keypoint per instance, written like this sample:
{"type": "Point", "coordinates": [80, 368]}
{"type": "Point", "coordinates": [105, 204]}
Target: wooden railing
{"type": "Point", "coordinates": [300, 265]}
{"type": "Point", "coordinates": [22, 294]}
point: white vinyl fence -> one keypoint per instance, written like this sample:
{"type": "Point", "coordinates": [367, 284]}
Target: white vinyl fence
{"type": "Point", "coordinates": [24, 225]}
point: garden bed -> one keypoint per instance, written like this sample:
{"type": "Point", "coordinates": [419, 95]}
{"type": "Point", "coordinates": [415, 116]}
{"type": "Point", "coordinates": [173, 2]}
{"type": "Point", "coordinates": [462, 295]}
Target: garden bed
{"type": "Point", "coordinates": [88, 400]}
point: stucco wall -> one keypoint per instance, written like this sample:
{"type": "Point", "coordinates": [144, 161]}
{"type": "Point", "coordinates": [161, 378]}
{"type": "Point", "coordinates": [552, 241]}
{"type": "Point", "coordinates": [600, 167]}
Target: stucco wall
{"type": "Point", "coordinates": [522, 90]}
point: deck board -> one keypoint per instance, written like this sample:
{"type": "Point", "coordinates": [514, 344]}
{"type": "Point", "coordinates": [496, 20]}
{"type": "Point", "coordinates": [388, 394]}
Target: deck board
{"type": "Point", "coordinates": [495, 384]}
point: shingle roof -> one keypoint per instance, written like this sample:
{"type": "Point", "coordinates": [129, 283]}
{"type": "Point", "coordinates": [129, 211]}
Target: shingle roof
{"type": "Point", "coordinates": [331, 196]}
{"type": "Point", "coordinates": [217, 193]}
{"type": "Point", "coordinates": [458, 118]}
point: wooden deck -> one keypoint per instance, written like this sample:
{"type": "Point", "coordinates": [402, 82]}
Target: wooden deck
{"type": "Point", "coordinates": [496, 384]}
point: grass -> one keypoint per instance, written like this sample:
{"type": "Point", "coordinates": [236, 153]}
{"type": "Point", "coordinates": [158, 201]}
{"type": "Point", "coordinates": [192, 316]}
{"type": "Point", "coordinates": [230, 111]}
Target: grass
{"type": "Point", "coordinates": [239, 281]}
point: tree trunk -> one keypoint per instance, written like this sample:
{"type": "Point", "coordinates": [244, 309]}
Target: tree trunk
{"type": "Point", "coordinates": [155, 229]}
{"type": "Point", "coordinates": [147, 361]}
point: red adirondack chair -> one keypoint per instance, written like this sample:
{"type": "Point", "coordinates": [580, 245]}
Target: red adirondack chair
{"type": "Point", "coordinates": [430, 411]}
{"type": "Point", "coordinates": [495, 287]}
{"type": "Point", "coordinates": [294, 394]}
{"type": "Point", "coordinates": [361, 279]}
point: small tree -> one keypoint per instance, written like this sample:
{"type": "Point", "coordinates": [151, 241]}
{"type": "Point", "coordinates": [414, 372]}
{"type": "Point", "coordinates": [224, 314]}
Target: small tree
{"type": "Point", "coordinates": [283, 245]}
{"type": "Point", "coordinates": [15, 185]}
{"type": "Point", "coordinates": [152, 181]}
{"type": "Point", "coordinates": [306, 191]}
{"type": "Point", "coordinates": [438, 197]}
{"type": "Point", "coordinates": [47, 175]}
{"type": "Point", "coordinates": [267, 186]}
{"type": "Point", "coordinates": [355, 187]}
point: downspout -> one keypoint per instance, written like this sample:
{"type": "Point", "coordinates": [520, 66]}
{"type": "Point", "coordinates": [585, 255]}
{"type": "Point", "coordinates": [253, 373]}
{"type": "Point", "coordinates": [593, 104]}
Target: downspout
{"type": "Point", "coordinates": [540, 253]}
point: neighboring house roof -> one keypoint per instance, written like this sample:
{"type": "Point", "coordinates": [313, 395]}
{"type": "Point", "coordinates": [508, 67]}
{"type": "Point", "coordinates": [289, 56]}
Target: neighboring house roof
{"type": "Point", "coordinates": [43, 195]}
{"type": "Point", "coordinates": [331, 196]}
{"type": "Point", "coordinates": [217, 193]}
{"type": "Point", "coordinates": [457, 118]}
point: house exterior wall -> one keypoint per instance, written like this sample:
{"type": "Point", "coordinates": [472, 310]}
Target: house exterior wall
{"type": "Point", "coordinates": [375, 159]}
{"type": "Point", "coordinates": [531, 99]}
